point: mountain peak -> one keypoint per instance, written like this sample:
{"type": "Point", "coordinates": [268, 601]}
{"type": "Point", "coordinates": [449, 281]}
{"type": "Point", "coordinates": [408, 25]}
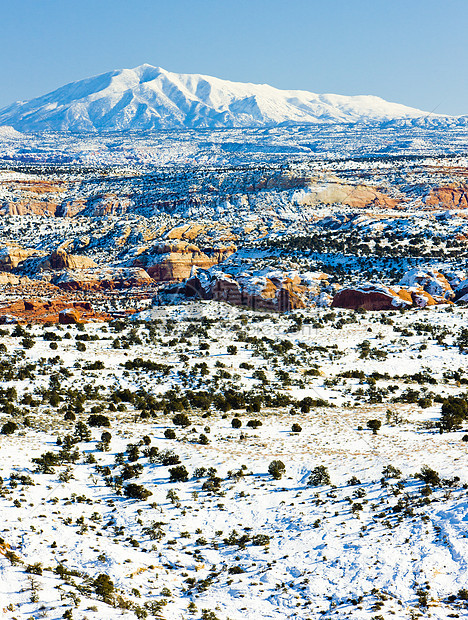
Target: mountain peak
{"type": "Point", "coordinates": [150, 98]}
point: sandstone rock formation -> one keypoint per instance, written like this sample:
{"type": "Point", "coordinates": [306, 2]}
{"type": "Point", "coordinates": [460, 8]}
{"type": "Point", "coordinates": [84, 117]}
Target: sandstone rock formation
{"type": "Point", "coordinates": [103, 279]}
{"type": "Point", "coordinates": [69, 317]}
{"type": "Point", "coordinates": [450, 196]}
{"type": "Point", "coordinates": [279, 294]}
{"type": "Point", "coordinates": [369, 297]}
{"type": "Point", "coordinates": [7, 278]}
{"type": "Point", "coordinates": [35, 310]}
{"type": "Point", "coordinates": [12, 256]}
{"type": "Point", "coordinates": [422, 289]}
{"type": "Point", "coordinates": [429, 280]}
{"type": "Point", "coordinates": [174, 261]}
{"type": "Point", "coordinates": [354, 195]}
{"type": "Point", "coordinates": [60, 259]}
{"type": "Point", "coordinates": [26, 196]}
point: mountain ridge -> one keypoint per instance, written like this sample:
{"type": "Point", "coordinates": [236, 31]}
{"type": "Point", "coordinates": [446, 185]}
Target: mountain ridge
{"type": "Point", "coordinates": [151, 98]}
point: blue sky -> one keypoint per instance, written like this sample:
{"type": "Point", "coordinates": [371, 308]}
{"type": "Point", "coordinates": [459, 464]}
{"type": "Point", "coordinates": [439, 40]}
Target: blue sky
{"type": "Point", "coordinates": [413, 51]}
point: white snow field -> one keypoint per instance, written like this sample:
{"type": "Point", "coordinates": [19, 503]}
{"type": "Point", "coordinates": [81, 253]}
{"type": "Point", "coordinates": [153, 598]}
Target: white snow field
{"type": "Point", "coordinates": [359, 525]}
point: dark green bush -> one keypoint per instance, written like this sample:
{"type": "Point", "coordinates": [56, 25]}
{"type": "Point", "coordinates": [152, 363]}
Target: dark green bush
{"type": "Point", "coordinates": [136, 491]}
{"type": "Point", "coordinates": [276, 469]}
{"type": "Point", "coordinates": [9, 428]}
{"type": "Point", "coordinates": [181, 419]}
{"type": "Point", "coordinates": [254, 423]}
{"type": "Point", "coordinates": [374, 425]}
{"type": "Point", "coordinates": [319, 476]}
{"type": "Point", "coordinates": [454, 413]}
{"type": "Point", "coordinates": [103, 586]}
{"type": "Point", "coordinates": [97, 419]}
{"type": "Point", "coordinates": [429, 476]}
{"type": "Point", "coordinates": [178, 474]}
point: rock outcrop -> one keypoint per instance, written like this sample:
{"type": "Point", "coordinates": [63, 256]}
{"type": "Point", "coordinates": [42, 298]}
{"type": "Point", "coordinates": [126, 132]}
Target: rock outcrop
{"type": "Point", "coordinates": [44, 311]}
{"type": "Point", "coordinates": [275, 293]}
{"type": "Point", "coordinates": [333, 191]}
{"type": "Point", "coordinates": [369, 297]}
{"type": "Point", "coordinates": [174, 261]}
{"type": "Point", "coordinates": [27, 196]}
{"type": "Point", "coordinates": [60, 259]}
{"type": "Point", "coordinates": [450, 196]}
{"type": "Point", "coordinates": [69, 316]}
{"type": "Point", "coordinates": [418, 288]}
{"type": "Point", "coordinates": [12, 256]}
{"type": "Point", "coordinates": [7, 278]}
{"type": "Point", "coordinates": [103, 279]}
{"type": "Point", "coordinates": [430, 280]}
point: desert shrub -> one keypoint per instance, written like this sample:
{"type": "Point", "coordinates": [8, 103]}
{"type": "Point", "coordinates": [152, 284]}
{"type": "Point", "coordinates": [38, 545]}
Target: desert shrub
{"type": "Point", "coordinates": [236, 423]}
{"type": "Point", "coordinates": [429, 476]}
{"type": "Point", "coordinates": [254, 423]}
{"type": "Point", "coordinates": [9, 428]}
{"type": "Point", "coordinates": [296, 428]}
{"type": "Point", "coordinates": [389, 471]}
{"type": "Point", "coordinates": [170, 433]}
{"type": "Point", "coordinates": [167, 457]}
{"type": "Point", "coordinates": [103, 586]}
{"type": "Point", "coordinates": [232, 349]}
{"type": "Point", "coordinates": [69, 416]}
{"type": "Point", "coordinates": [212, 485]}
{"type": "Point", "coordinates": [131, 471]}
{"type": "Point", "coordinates": [454, 412]}
{"type": "Point", "coordinates": [178, 474]}
{"type": "Point", "coordinates": [276, 469]}
{"type": "Point", "coordinates": [34, 569]}
{"type": "Point", "coordinates": [425, 402]}
{"type": "Point", "coordinates": [462, 339]}
{"type": "Point", "coordinates": [203, 440]}
{"type": "Point", "coordinates": [319, 476]}
{"type": "Point", "coordinates": [136, 491]}
{"type": "Point", "coordinates": [82, 432]}
{"type": "Point", "coordinates": [98, 365]}
{"type": "Point", "coordinates": [374, 425]}
{"type": "Point", "coordinates": [97, 419]}
{"type": "Point", "coordinates": [181, 419]}
{"type": "Point", "coordinates": [46, 462]}
{"type": "Point", "coordinates": [133, 452]}
{"type": "Point", "coordinates": [308, 402]}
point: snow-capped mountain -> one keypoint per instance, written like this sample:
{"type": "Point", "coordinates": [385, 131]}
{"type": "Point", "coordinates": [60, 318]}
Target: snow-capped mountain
{"type": "Point", "coordinates": [149, 97]}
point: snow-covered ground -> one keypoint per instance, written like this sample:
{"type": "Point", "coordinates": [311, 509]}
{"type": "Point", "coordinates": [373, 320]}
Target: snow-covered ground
{"type": "Point", "coordinates": [231, 541]}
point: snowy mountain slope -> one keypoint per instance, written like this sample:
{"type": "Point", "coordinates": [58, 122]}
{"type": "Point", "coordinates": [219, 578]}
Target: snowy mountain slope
{"type": "Point", "coordinates": [148, 97]}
